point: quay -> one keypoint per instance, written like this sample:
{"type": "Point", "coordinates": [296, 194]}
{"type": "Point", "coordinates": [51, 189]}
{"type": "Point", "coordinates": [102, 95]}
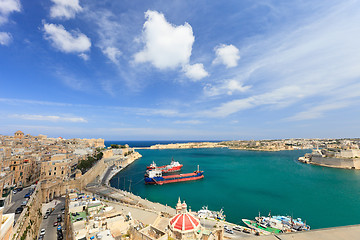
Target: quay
{"type": "Point", "coordinates": [335, 233]}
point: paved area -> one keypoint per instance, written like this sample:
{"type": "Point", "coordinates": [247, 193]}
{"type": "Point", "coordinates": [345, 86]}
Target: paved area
{"type": "Point", "coordinates": [336, 233]}
{"type": "Point", "coordinates": [17, 199]}
{"type": "Point", "coordinates": [210, 223]}
{"type": "Point", "coordinates": [144, 216]}
{"type": "Point", "coordinates": [48, 224]}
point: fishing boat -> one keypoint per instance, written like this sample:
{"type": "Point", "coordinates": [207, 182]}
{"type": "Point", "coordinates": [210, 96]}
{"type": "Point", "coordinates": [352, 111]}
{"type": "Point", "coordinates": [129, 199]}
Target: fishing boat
{"type": "Point", "coordinates": [172, 167]}
{"type": "Point", "coordinates": [155, 176]}
{"type": "Point", "coordinates": [206, 213]}
{"type": "Point", "coordinates": [261, 228]}
{"type": "Point", "coordinates": [277, 224]}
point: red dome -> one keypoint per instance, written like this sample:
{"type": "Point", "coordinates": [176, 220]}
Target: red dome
{"type": "Point", "coordinates": [184, 222]}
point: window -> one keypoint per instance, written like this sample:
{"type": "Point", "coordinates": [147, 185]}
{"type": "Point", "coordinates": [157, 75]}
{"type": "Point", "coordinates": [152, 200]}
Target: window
{"type": "Point", "coordinates": [49, 173]}
{"type": "Point", "coordinates": [54, 173]}
{"type": "Point", "coordinates": [62, 172]}
{"type": "Point", "coordinates": [13, 168]}
{"type": "Point", "coordinates": [54, 168]}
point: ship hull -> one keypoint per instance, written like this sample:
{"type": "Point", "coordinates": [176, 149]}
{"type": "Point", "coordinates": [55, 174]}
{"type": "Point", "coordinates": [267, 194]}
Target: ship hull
{"type": "Point", "coordinates": [257, 227]}
{"type": "Point", "coordinates": [174, 178]}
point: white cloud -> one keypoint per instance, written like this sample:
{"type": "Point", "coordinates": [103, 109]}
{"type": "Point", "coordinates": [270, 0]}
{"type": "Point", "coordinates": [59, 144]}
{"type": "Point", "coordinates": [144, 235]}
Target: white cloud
{"type": "Point", "coordinates": [168, 46]}
{"type": "Point", "coordinates": [318, 111]}
{"type": "Point", "coordinates": [5, 38]}
{"type": "Point", "coordinates": [228, 87]}
{"type": "Point", "coordinates": [315, 59]}
{"type": "Point", "coordinates": [112, 53]}
{"type": "Point", "coordinates": [64, 41]}
{"type": "Point", "coordinates": [65, 9]}
{"type": "Point", "coordinates": [192, 122]}
{"type": "Point", "coordinates": [7, 7]}
{"type": "Point", "coordinates": [195, 71]}
{"type": "Point", "coordinates": [111, 29]}
{"type": "Point", "coordinates": [48, 118]}
{"type": "Point", "coordinates": [84, 56]}
{"type": "Point", "coordinates": [228, 55]}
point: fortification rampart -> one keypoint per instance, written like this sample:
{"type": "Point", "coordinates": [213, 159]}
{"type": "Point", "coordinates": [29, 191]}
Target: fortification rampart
{"type": "Point", "coordinates": [348, 163]}
{"type": "Point", "coordinates": [28, 224]}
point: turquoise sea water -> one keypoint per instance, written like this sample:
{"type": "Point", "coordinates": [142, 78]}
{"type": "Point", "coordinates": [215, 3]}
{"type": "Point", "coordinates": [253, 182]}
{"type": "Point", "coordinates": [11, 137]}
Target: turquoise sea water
{"type": "Point", "coordinates": [246, 182]}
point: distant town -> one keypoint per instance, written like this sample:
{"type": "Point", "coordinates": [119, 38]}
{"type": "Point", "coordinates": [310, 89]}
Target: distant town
{"type": "Point", "coordinates": [58, 188]}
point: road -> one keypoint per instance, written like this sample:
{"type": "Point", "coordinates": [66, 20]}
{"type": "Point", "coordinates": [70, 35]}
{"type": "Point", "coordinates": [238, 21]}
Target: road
{"type": "Point", "coordinates": [48, 224]}
{"type": "Point", "coordinates": [209, 224]}
{"type": "Point", "coordinates": [17, 199]}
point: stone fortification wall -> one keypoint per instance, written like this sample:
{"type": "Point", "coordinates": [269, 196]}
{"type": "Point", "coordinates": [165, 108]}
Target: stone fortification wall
{"type": "Point", "coordinates": [108, 153]}
{"type": "Point", "coordinates": [350, 163]}
{"type": "Point", "coordinates": [28, 224]}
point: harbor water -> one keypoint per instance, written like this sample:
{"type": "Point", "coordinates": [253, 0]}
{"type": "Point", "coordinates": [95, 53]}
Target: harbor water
{"type": "Point", "coordinates": [245, 183]}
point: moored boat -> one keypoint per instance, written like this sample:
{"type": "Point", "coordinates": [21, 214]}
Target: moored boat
{"type": "Point", "coordinates": [155, 176]}
{"type": "Point", "coordinates": [174, 166]}
{"type": "Point", "coordinates": [263, 229]}
{"type": "Point", "coordinates": [206, 213]}
{"type": "Point", "coordinates": [277, 224]}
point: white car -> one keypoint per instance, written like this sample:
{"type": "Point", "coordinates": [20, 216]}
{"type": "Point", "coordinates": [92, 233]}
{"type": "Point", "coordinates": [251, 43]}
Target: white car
{"type": "Point", "coordinates": [42, 232]}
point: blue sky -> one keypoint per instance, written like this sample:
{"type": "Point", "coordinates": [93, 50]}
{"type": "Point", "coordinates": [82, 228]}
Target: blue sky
{"type": "Point", "coordinates": [189, 70]}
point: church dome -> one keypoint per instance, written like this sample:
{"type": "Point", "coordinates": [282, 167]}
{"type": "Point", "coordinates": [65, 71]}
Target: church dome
{"type": "Point", "coordinates": [184, 222]}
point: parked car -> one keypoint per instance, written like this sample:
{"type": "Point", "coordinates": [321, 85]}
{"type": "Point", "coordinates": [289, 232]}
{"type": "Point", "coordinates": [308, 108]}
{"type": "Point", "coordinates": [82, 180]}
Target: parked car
{"type": "Point", "coordinates": [42, 232]}
{"type": "Point", "coordinates": [46, 216]}
{"type": "Point", "coordinates": [55, 224]}
{"type": "Point", "coordinates": [27, 195]}
{"type": "Point", "coordinates": [24, 203]}
{"type": "Point", "coordinates": [19, 210]}
{"type": "Point", "coordinates": [14, 191]}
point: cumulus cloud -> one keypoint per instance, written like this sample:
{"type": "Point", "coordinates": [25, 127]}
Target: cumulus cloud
{"type": "Point", "coordinates": [5, 38]}
{"type": "Point", "coordinates": [112, 53]}
{"type": "Point", "coordinates": [48, 118]}
{"type": "Point", "coordinates": [228, 87]}
{"type": "Point", "coordinates": [168, 46]}
{"type": "Point", "coordinates": [195, 71]}
{"type": "Point", "coordinates": [65, 9]}
{"type": "Point", "coordinates": [228, 55]}
{"type": "Point", "coordinates": [7, 7]}
{"type": "Point", "coordinates": [64, 41]}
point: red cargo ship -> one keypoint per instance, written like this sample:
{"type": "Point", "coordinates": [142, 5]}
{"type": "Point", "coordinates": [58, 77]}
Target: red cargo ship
{"type": "Point", "coordinates": [155, 177]}
{"type": "Point", "coordinates": [172, 167]}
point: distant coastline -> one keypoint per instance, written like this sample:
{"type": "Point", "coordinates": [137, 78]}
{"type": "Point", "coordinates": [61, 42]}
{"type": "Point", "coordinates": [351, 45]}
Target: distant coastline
{"type": "Point", "coordinates": [263, 145]}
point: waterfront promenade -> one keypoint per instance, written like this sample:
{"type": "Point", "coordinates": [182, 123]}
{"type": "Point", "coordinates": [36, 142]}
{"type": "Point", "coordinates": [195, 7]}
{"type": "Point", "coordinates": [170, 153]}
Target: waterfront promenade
{"type": "Point", "coordinates": [335, 233]}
